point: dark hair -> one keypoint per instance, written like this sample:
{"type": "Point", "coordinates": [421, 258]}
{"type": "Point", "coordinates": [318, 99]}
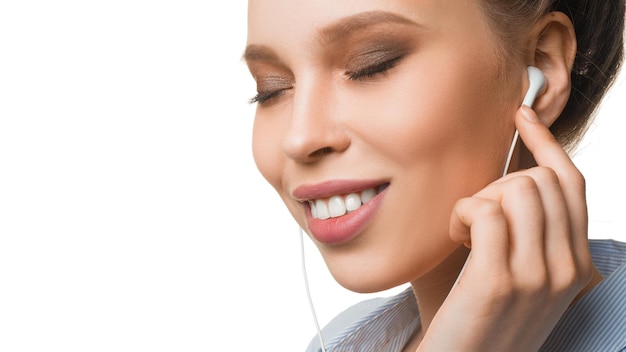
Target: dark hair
{"type": "Point", "coordinates": [599, 27]}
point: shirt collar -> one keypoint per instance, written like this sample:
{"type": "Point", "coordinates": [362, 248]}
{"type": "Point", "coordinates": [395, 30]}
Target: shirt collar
{"type": "Point", "coordinates": [387, 328]}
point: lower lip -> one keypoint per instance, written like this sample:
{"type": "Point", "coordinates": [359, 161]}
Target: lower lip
{"type": "Point", "coordinates": [344, 228]}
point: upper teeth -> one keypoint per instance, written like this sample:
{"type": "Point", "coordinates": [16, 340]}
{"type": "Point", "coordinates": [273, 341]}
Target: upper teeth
{"type": "Point", "coordinates": [339, 205]}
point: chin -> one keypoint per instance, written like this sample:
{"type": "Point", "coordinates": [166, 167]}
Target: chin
{"type": "Point", "coordinates": [386, 269]}
{"type": "Point", "coordinates": [368, 278]}
{"type": "Point", "coordinates": [367, 285]}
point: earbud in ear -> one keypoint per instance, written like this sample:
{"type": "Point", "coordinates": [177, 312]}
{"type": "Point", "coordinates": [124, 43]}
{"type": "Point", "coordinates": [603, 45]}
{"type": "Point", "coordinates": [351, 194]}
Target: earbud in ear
{"type": "Point", "coordinates": [537, 84]}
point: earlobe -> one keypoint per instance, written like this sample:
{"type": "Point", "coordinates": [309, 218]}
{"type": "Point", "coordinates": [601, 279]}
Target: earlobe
{"type": "Point", "coordinates": [554, 53]}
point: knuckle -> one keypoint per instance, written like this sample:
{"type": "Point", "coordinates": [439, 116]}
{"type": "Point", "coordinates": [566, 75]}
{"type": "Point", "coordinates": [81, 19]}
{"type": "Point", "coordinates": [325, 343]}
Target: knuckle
{"type": "Point", "coordinates": [540, 282]}
{"type": "Point", "coordinates": [500, 290]}
{"type": "Point", "coordinates": [545, 175]}
{"type": "Point", "coordinates": [463, 203]}
{"type": "Point", "coordinates": [488, 208]}
{"type": "Point", "coordinates": [576, 180]}
{"type": "Point", "coordinates": [573, 277]}
{"type": "Point", "coordinates": [524, 184]}
{"type": "Point", "coordinates": [566, 280]}
{"type": "Point", "coordinates": [535, 283]}
{"type": "Point", "coordinates": [564, 273]}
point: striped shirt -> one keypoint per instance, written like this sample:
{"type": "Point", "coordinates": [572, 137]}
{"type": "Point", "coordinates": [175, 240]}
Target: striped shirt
{"type": "Point", "coordinates": [596, 322]}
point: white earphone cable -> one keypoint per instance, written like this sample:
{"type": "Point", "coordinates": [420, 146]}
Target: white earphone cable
{"type": "Point", "coordinates": [510, 156]}
{"type": "Point", "coordinates": [308, 291]}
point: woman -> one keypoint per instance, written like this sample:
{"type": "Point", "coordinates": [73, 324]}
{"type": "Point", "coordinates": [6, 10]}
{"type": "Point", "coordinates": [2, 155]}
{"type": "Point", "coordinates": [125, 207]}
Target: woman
{"type": "Point", "coordinates": [385, 128]}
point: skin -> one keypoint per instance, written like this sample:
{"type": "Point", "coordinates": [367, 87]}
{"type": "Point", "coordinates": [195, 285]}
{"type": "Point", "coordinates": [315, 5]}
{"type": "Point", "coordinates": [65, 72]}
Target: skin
{"type": "Point", "coordinates": [436, 125]}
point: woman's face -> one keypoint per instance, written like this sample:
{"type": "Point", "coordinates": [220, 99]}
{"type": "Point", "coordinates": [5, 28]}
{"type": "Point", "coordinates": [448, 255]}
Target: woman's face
{"type": "Point", "coordinates": [373, 118]}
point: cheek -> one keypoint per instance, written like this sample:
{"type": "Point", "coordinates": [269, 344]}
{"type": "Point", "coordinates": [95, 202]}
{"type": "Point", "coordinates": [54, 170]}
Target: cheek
{"type": "Point", "coordinates": [439, 140]}
{"type": "Point", "coordinates": [437, 114]}
{"type": "Point", "coordinates": [266, 150]}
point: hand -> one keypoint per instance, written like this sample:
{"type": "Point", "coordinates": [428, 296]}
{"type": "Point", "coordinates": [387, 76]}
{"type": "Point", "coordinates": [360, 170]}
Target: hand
{"type": "Point", "coordinates": [530, 256]}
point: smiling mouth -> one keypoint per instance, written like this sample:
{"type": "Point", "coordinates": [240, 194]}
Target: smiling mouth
{"type": "Point", "coordinates": [339, 205]}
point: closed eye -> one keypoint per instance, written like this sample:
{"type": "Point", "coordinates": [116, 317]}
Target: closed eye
{"type": "Point", "coordinates": [270, 88]}
{"type": "Point", "coordinates": [263, 97]}
{"type": "Point", "coordinates": [375, 69]}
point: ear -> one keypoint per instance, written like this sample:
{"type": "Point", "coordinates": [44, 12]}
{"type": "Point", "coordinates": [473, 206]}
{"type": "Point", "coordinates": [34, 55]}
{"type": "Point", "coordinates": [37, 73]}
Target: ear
{"type": "Point", "coordinates": [553, 44]}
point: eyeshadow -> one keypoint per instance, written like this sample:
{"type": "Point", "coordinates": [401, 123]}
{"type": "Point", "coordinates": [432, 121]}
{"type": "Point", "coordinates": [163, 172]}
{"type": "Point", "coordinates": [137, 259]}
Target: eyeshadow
{"type": "Point", "coordinates": [374, 54]}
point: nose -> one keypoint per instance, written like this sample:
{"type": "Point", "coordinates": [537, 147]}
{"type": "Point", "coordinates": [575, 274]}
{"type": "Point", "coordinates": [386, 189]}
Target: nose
{"type": "Point", "coordinates": [315, 128]}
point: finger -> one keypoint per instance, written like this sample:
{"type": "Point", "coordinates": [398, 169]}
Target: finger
{"type": "Point", "coordinates": [549, 153]}
{"type": "Point", "coordinates": [560, 257]}
{"type": "Point", "coordinates": [558, 239]}
{"type": "Point", "coordinates": [523, 209]}
{"type": "Point", "coordinates": [556, 217]}
{"type": "Point", "coordinates": [481, 224]}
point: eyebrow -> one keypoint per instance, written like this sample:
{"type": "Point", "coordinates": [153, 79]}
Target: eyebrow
{"type": "Point", "coordinates": [347, 25]}
{"type": "Point", "coordinates": [334, 32]}
{"type": "Point", "coordinates": [256, 52]}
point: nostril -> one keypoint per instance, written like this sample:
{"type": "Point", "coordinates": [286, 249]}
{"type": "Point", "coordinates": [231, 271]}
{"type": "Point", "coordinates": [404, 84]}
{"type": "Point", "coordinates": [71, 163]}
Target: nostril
{"type": "Point", "coordinates": [322, 151]}
{"type": "Point", "coordinates": [307, 144]}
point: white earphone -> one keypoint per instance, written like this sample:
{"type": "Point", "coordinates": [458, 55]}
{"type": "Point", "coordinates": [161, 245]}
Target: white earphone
{"type": "Point", "coordinates": [537, 82]}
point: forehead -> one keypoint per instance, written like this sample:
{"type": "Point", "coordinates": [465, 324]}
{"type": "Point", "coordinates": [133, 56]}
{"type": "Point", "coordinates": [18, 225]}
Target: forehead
{"type": "Point", "coordinates": [292, 23]}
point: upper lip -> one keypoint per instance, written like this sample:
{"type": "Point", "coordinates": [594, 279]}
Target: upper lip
{"type": "Point", "coordinates": [330, 188]}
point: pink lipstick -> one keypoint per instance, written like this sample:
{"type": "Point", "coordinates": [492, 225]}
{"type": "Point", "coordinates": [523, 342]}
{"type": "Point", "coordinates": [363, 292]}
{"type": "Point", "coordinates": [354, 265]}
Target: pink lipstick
{"type": "Point", "coordinates": [337, 211]}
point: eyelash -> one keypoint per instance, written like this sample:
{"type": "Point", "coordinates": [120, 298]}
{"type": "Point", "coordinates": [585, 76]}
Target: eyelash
{"type": "Point", "coordinates": [263, 97]}
{"type": "Point", "coordinates": [374, 70]}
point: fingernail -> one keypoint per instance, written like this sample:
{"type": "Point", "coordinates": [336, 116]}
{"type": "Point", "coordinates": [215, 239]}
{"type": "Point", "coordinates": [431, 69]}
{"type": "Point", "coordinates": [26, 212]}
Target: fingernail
{"type": "Point", "coordinates": [529, 114]}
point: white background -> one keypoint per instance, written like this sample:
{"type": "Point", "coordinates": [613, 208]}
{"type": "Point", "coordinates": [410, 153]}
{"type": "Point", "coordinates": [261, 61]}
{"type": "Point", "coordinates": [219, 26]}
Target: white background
{"type": "Point", "coordinates": [132, 217]}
